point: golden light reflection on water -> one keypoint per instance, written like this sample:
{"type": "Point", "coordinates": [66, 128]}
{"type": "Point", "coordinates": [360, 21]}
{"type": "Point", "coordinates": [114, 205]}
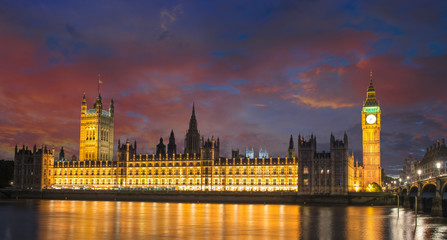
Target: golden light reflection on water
{"type": "Point", "coordinates": [142, 220]}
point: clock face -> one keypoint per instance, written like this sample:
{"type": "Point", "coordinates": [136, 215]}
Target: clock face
{"type": "Point", "coordinates": [370, 119]}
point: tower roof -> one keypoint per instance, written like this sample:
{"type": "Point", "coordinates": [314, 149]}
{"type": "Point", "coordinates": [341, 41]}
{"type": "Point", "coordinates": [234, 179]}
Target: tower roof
{"type": "Point", "coordinates": [370, 94]}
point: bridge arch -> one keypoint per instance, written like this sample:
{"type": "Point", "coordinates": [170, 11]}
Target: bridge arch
{"type": "Point", "coordinates": [428, 193]}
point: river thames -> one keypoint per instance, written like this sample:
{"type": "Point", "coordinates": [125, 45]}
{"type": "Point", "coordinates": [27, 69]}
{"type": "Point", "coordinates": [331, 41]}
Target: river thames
{"type": "Point", "coordinates": [56, 219]}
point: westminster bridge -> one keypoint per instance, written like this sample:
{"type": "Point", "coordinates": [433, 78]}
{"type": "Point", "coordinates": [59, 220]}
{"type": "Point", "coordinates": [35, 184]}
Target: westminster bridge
{"type": "Point", "coordinates": [430, 195]}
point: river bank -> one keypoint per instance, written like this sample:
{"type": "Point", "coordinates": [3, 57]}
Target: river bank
{"type": "Point", "coordinates": [380, 199]}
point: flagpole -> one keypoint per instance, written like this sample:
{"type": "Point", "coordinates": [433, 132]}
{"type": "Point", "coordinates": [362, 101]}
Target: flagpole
{"type": "Point", "coordinates": [99, 79]}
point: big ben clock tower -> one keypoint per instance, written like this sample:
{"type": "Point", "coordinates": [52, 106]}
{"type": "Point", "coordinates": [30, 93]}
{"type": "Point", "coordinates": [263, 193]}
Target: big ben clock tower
{"type": "Point", "coordinates": [371, 124]}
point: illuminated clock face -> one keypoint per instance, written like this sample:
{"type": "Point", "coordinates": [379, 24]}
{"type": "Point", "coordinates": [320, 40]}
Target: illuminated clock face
{"type": "Point", "coordinates": [370, 119]}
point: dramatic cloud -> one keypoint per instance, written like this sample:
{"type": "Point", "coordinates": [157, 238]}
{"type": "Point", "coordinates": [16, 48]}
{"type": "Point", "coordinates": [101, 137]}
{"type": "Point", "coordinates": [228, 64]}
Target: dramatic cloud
{"type": "Point", "coordinates": [256, 72]}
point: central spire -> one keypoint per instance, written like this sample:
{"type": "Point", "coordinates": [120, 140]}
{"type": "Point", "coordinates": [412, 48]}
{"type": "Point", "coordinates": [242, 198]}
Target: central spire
{"type": "Point", "coordinates": [192, 138]}
{"type": "Point", "coordinates": [193, 121]}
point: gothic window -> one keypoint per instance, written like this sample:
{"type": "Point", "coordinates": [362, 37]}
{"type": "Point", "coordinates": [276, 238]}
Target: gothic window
{"type": "Point", "coordinates": [305, 170]}
{"type": "Point", "coordinates": [266, 182]}
{"type": "Point", "coordinates": [259, 181]}
{"type": "Point", "coordinates": [282, 181]}
{"type": "Point", "coordinates": [282, 170]}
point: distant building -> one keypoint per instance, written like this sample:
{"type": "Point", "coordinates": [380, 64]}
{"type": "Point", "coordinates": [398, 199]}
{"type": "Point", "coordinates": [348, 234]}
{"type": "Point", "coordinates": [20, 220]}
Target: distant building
{"type": "Point", "coordinates": [263, 153]}
{"type": "Point", "coordinates": [250, 153]}
{"type": "Point", "coordinates": [435, 154]}
{"type": "Point", "coordinates": [409, 170]}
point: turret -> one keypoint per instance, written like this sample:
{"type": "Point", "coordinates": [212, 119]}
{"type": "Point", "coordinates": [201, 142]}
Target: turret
{"type": "Point", "coordinates": [345, 139]}
{"type": "Point", "coordinates": [291, 149]}
{"type": "Point", "coordinates": [62, 154]}
{"type": "Point", "coordinates": [83, 105]}
{"type": "Point", "coordinates": [161, 148]}
{"type": "Point", "coordinates": [98, 104]}
{"type": "Point", "coordinates": [172, 147]}
{"type": "Point", "coordinates": [111, 108]}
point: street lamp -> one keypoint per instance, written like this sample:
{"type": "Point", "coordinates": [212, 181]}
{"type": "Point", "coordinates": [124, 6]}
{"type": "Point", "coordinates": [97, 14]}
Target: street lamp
{"type": "Point", "coordinates": [419, 174]}
{"type": "Point", "coordinates": [400, 181]}
{"type": "Point", "coordinates": [438, 166]}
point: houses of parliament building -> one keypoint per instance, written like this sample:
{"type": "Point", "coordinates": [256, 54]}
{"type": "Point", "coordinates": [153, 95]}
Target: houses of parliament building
{"type": "Point", "coordinates": [200, 167]}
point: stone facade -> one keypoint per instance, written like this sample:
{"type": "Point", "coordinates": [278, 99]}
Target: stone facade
{"type": "Point", "coordinates": [323, 172]}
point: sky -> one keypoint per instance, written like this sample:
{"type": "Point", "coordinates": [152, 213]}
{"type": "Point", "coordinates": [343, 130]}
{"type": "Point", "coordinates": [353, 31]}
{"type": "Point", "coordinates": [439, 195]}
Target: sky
{"type": "Point", "coordinates": [257, 71]}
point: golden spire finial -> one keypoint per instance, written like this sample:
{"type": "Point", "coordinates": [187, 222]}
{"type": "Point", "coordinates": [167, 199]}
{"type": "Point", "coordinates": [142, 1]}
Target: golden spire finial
{"type": "Point", "coordinates": [371, 74]}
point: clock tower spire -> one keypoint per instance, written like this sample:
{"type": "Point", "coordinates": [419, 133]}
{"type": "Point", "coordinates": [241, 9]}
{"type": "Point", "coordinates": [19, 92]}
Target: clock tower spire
{"type": "Point", "coordinates": [371, 125]}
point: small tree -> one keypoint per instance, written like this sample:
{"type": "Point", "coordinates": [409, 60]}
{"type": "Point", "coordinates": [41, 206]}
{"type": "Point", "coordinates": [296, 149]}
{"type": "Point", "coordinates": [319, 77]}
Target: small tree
{"type": "Point", "coordinates": [373, 187]}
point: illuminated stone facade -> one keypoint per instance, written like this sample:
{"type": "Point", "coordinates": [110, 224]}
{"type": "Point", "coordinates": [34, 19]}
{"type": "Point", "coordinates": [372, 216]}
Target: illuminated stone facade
{"type": "Point", "coordinates": [96, 136]}
{"type": "Point", "coordinates": [200, 167]}
{"type": "Point", "coordinates": [371, 125]}
{"type": "Point", "coordinates": [201, 170]}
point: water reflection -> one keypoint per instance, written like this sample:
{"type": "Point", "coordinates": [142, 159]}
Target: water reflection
{"type": "Point", "coordinates": [53, 219]}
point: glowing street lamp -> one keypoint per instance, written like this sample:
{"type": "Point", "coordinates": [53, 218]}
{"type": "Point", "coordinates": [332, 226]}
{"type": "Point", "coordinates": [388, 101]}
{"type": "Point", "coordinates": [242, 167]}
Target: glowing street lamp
{"type": "Point", "coordinates": [419, 174]}
{"type": "Point", "coordinates": [400, 181]}
{"type": "Point", "coordinates": [438, 166]}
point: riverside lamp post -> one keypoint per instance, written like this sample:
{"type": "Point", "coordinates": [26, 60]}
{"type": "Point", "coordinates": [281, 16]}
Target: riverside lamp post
{"type": "Point", "coordinates": [400, 181]}
{"type": "Point", "coordinates": [438, 166]}
{"type": "Point", "coordinates": [408, 179]}
{"type": "Point", "coordinates": [419, 174]}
